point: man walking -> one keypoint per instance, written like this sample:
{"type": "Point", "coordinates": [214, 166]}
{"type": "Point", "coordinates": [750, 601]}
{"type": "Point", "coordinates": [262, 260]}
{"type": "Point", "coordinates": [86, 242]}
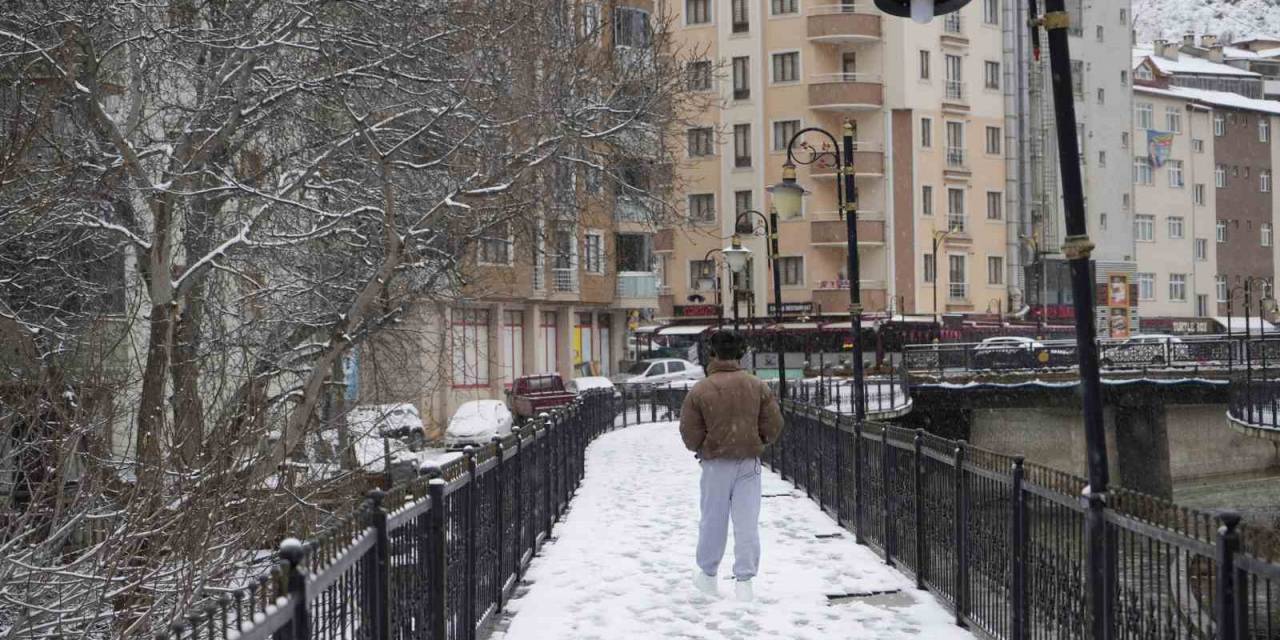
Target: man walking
{"type": "Point", "coordinates": [727, 420]}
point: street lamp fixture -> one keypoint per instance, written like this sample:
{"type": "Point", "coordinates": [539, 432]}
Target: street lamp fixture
{"type": "Point", "coordinates": [921, 11]}
{"type": "Point", "coordinates": [787, 194]}
{"type": "Point", "coordinates": [736, 255]}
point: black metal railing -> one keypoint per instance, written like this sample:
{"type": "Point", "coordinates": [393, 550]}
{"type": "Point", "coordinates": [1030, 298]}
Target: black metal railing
{"type": "Point", "coordinates": [884, 393]}
{"type": "Point", "coordinates": [436, 557]}
{"type": "Point", "coordinates": [1255, 385]}
{"type": "Point", "coordinates": [1191, 353]}
{"type": "Point", "coordinates": [1001, 542]}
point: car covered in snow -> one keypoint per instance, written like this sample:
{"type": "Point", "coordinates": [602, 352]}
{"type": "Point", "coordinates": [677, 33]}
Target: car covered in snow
{"type": "Point", "coordinates": [658, 371]}
{"type": "Point", "coordinates": [579, 386]}
{"type": "Point", "coordinates": [1007, 352]}
{"type": "Point", "coordinates": [476, 422]}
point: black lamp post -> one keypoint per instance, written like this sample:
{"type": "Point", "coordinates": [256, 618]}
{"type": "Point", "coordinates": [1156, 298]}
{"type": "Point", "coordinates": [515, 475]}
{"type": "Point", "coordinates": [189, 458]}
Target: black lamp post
{"type": "Point", "coordinates": [1078, 249]}
{"type": "Point", "coordinates": [771, 229]}
{"type": "Point", "coordinates": [736, 257]}
{"type": "Point", "coordinates": [786, 199]}
{"type": "Point", "coordinates": [938, 237]}
{"type": "Point", "coordinates": [706, 257]}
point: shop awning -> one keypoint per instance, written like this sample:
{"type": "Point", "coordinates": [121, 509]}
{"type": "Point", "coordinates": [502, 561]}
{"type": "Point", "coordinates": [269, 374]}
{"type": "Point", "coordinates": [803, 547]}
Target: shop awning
{"type": "Point", "coordinates": [1237, 324]}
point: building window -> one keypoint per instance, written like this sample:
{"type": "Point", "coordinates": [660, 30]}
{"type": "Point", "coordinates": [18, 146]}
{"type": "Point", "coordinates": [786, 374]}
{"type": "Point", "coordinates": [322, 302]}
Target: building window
{"type": "Point", "coordinates": [783, 7]}
{"type": "Point", "coordinates": [1175, 174]}
{"type": "Point", "coordinates": [991, 74]}
{"type": "Point", "coordinates": [741, 78]}
{"type": "Point", "coordinates": [470, 334]}
{"type": "Point", "coordinates": [930, 268]}
{"type": "Point", "coordinates": [1202, 305]}
{"type": "Point", "coordinates": [1264, 129]}
{"type": "Point", "coordinates": [1264, 181]}
{"type": "Point", "coordinates": [593, 252]}
{"type": "Point", "coordinates": [1202, 249]}
{"type": "Point", "coordinates": [702, 207]}
{"type": "Point", "coordinates": [741, 18]}
{"type": "Point", "coordinates": [991, 11]}
{"type": "Point", "coordinates": [702, 275]}
{"type": "Point", "coordinates": [1197, 145]}
{"type": "Point", "coordinates": [1220, 229]}
{"type": "Point", "coordinates": [1142, 170]}
{"type": "Point", "coordinates": [1124, 16]}
{"type": "Point", "coordinates": [1102, 158]}
{"type": "Point", "coordinates": [1124, 78]}
{"type": "Point", "coordinates": [589, 21]}
{"type": "Point", "coordinates": [1146, 286]}
{"type": "Point", "coordinates": [1077, 78]}
{"type": "Point", "coordinates": [1197, 192]}
{"type": "Point", "coordinates": [1098, 35]}
{"type": "Point", "coordinates": [697, 11]}
{"type": "Point", "coordinates": [1173, 119]}
{"type": "Point", "coordinates": [783, 132]}
{"type": "Point", "coordinates": [926, 132]}
{"type": "Point", "coordinates": [512, 345]}
{"type": "Point", "coordinates": [1143, 73]}
{"type": "Point", "coordinates": [786, 67]}
{"type": "Point", "coordinates": [958, 287]}
{"type": "Point", "coordinates": [955, 144]}
{"type": "Point", "coordinates": [1144, 114]}
{"type": "Point", "coordinates": [1124, 201]}
{"type": "Point", "coordinates": [1266, 234]}
{"type": "Point", "coordinates": [1144, 228]}
{"type": "Point", "coordinates": [741, 145]}
{"type": "Point", "coordinates": [924, 64]}
{"type": "Point", "coordinates": [995, 270]}
{"type": "Point", "coordinates": [701, 142]}
{"type": "Point", "coordinates": [1102, 97]}
{"type": "Point", "coordinates": [955, 77]}
{"type": "Point", "coordinates": [699, 75]}
{"type": "Point", "coordinates": [1102, 221]}
{"type": "Point", "coordinates": [1220, 176]}
{"type": "Point", "coordinates": [792, 270]}
{"type": "Point", "coordinates": [1124, 139]}
{"type": "Point", "coordinates": [994, 203]}
{"type": "Point", "coordinates": [1175, 227]}
{"type": "Point", "coordinates": [741, 204]}
{"type": "Point", "coordinates": [495, 246]}
{"type": "Point", "coordinates": [955, 209]}
{"type": "Point", "coordinates": [1219, 124]}
{"type": "Point", "coordinates": [1220, 287]}
{"type": "Point", "coordinates": [926, 200]}
{"type": "Point", "coordinates": [631, 27]}
{"type": "Point", "coordinates": [1178, 287]}
{"type": "Point", "coordinates": [993, 140]}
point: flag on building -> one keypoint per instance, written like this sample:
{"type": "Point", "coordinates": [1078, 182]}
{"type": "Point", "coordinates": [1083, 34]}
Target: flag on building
{"type": "Point", "coordinates": [1159, 143]}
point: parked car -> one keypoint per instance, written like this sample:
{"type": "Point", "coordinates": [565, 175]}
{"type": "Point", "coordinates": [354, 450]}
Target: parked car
{"type": "Point", "coordinates": [531, 395]}
{"type": "Point", "coordinates": [377, 431]}
{"type": "Point", "coordinates": [578, 386]}
{"type": "Point", "coordinates": [1007, 352]}
{"type": "Point", "coordinates": [1148, 350]}
{"type": "Point", "coordinates": [476, 423]}
{"type": "Point", "coordinates": [658, 371]}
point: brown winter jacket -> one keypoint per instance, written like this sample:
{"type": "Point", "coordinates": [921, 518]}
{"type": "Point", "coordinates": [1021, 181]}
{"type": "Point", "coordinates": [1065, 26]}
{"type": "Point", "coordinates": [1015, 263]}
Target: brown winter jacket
{"type": "Point", "coordinates": [730, 414]}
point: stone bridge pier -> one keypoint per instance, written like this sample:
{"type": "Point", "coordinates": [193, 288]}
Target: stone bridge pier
{"type": "Point", "coordinates": [1158, 432]}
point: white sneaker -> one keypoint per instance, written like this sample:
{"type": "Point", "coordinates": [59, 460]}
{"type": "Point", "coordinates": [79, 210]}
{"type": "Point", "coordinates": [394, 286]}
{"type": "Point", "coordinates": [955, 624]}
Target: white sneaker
{"type": "Point", "coordinates": [742, 591]}
{"type": "Point", "coordinates": [706, 583]}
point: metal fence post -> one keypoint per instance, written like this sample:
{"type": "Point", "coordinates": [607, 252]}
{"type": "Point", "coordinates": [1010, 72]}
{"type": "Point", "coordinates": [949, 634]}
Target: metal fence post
{"type": "Point", "coordinates": [295, 583]}
{"type": "Point", "coordinates": [1231, 597]}
{"type": "Point", "coordinates": [961, 519]}
{"type": "Point", "coordinates": [808, 456]}
{"type": "Point", "coordinates": [918, 486]}
{"type": "Point", "coordinates": [518, 500]}
{"type": "Point", "coordinates": [438, 560]}
{"type": "Point", "coordinates": [473, 519]}
{"type": "Point", "coordinates": [381, 587]}
{"type": "Point", "coordinates": [859, 532]}
{"type": "Point", "coordinates": [499, 472]}
{"type": "Point", "coordinates": [886, 493]}
{"type": "Point", "coordinates": [548, 488]}
{"type": "Point", "coordinates": [1018, 561]}
{"type": "Point", "coordinates": [1098, 587]}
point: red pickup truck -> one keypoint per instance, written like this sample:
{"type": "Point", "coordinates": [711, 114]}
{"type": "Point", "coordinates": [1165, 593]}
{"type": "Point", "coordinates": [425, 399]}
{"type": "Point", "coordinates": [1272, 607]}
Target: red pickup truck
{"type": "Point", "coordinates": [531, 395]}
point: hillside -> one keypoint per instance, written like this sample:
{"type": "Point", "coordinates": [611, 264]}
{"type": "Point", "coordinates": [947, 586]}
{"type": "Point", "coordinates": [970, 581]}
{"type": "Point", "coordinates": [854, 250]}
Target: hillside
{"type": "Point", "coordinates": [1238, 18]}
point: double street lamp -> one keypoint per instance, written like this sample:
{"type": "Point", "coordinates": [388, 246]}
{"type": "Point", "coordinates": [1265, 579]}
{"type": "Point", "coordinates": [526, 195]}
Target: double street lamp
{"type": "Point", "coordinates": [938, 237]}
{"type": "Point", "coordinates": [771, 232]}
{"type": "Point", "coordinates": [735, 257]}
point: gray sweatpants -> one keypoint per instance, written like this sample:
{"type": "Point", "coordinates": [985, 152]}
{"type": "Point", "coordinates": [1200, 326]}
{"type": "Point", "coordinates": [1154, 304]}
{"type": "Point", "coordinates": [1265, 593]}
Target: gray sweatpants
{"type": "Point", "coordinates": [730, 489]}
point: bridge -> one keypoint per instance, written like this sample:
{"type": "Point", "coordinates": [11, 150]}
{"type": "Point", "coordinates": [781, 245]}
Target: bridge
{"type": "Point", "coordinates": [575, 527]}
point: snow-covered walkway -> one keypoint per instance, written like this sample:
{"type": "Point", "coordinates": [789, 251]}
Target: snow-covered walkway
{"type": "Point", "coordinates": [622, 563]}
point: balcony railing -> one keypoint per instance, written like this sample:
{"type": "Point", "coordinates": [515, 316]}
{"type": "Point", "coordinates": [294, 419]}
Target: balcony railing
{"type": "Point", "coordinates": [566, 280]}
{"type": "Point", "coordinates": [841, 7]}
{"type": "Point", "coordinates": [629, 209]}
{"type": "Point", "coordinates": [958, 291]}
{"type": "Point", "coordinates": [845, 77]}
{"type": "Point", "coordinates": [955, 222]}
{"type": "Point", "coordinates": [955, 90]}
{"type": "Point", "coordinates": [954, 24]}
{"type": "Point", "coordinates": [956, 158]}
{"type": "Point", "coordinates": [637, 284]}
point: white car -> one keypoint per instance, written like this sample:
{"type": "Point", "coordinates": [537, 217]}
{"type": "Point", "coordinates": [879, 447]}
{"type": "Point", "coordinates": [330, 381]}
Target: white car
{"type": "Point", "coordinates": [1006, 352]}
{"type": "Point", "coordinates": [476, 423]}
{"type": "Point", "coordinates": [577, 386]}
{"type": "Point", "coordinates": [369, 424]}
{"type": "Point", "coordinates": [659, 371]}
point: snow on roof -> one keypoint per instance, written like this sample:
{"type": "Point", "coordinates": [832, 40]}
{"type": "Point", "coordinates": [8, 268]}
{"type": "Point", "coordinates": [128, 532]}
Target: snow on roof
{"type": "Point", "coordinates": [1187, 64]}
{"type": "Point", "coordinates": [1216, 98]}
{"type": "Point", "coordinates": [684, 330]}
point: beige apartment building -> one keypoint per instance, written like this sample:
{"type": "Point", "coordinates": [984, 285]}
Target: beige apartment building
{"type": "Point", "coordinates": [927, 104]}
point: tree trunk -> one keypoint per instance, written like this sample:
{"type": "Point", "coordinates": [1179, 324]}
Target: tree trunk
{"type": "Point", "coordinates": [151, 407]}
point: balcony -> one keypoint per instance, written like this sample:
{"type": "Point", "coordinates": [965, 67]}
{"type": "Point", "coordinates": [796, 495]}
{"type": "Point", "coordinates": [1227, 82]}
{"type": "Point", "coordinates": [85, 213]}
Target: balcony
{"type": "Point", "coordinates": [846, 92]}
{"type": "Point", "coordinates": [565, 280]}
{"type": "Point", "coordinates": [629, 209]}
{"type": "Point", "coordinates": [637, 290]}
{"type": "Point", "coordinates": [843, 23]}
{"type": "Point", "coordinates": [833, 233]}
{"type": "Point", "coordinates": [958, 292]}
{"type": "Point", "coordinates": [832, 296]}
{"type": "Point", "coordinates": [956, 222]}
{"type": "Point", "coordinates": [955, 98]}
{"type": "Point", "coordinates": [957, 163]}
{"type": "Point", "coordinates": [868, 161]}
{"type": "Point", "coordinates": [953, 30]}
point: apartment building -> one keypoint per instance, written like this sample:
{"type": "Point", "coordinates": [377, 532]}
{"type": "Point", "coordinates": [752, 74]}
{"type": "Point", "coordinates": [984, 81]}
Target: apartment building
{"type": "Point", "coordinates": [1175, 205]}
{"type": "Point", "coordinates": [926, 103]}
{"type": "Point", "coordinates": [1244, 156]}
{"type": "Point", "coordinates": [1099, 40]}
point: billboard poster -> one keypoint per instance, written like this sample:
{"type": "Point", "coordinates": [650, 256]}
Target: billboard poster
{"type": "Point", "coordinates": [1118, 305]}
